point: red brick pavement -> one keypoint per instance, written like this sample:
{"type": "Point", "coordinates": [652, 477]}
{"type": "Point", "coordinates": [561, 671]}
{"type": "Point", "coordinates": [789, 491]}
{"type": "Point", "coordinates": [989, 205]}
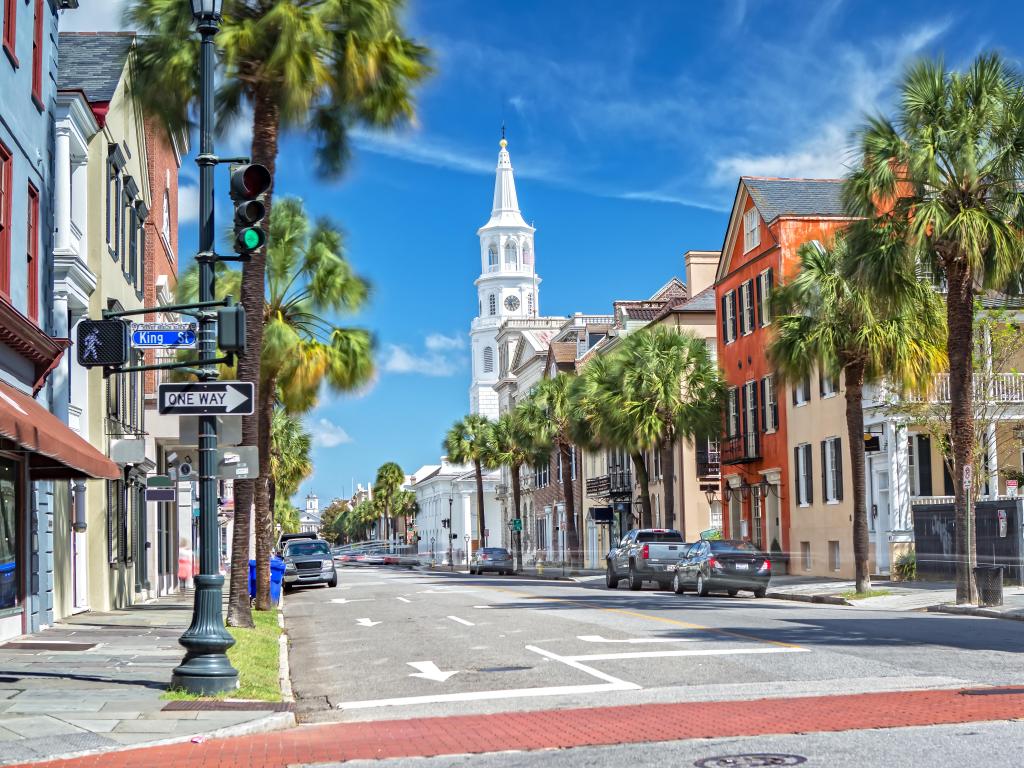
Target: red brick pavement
{"type": "Point", "coordinates": [571, 728]}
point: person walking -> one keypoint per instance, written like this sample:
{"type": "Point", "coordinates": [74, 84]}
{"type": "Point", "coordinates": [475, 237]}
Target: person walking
{"type": "Point", "coordinates": [185, 564]}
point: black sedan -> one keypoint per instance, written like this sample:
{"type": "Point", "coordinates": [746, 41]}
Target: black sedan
{"type": "Point", "coordinates": [723, 566]}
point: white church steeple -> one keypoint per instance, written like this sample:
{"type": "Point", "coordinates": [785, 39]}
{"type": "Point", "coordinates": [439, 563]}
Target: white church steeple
{"type": "Point", "coordinates": [508, 282]}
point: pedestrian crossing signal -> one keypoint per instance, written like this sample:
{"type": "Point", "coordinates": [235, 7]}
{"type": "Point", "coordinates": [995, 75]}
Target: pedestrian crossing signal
{"type": "Point", "coordinates": [103, 343]}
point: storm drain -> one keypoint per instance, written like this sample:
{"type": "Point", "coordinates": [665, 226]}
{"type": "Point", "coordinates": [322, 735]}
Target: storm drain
{"type": "Point", "coordinates": [753, 760]}
{"type": "Point", "coordinates": [42, 645]}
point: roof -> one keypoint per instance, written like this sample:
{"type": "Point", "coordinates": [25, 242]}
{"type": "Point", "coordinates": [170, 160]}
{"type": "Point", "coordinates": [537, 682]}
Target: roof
{"type": "Point", "coordinates": [564, 351]}
{"type": "Point", "coordinates": [795, 197]}
{"type": "Point", "coordinates": [641, 313]}
{"type": "Point", "coordinates": [92, 62]}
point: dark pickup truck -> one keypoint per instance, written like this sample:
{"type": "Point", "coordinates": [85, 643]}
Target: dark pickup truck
{"type": "Point", "coordinates": [645, 554]}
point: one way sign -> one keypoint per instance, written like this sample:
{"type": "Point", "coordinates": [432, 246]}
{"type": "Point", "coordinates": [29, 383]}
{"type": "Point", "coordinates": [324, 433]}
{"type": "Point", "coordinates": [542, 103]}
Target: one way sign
{"type": "Point", "coordinates": [206, 398]}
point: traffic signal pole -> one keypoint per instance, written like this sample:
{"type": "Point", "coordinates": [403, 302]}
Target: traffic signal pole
{"type": "Point", "coordinates": [205, 669]}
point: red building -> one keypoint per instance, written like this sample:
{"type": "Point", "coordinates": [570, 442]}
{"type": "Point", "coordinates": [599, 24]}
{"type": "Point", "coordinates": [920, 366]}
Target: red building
{"type": "Point", "coordinates": [770, 219]}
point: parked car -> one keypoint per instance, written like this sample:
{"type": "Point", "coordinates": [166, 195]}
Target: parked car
{"type": "Point", "coordinates": [284, 538]}
{"type": "Point", "coordinates": [308, 561]}
{"type": "Point", "coordinates": [727, 565]}
{"type": "Point", "coordinates": [645, 554]}
{"type": "Point", "coordinates": [491, 559]}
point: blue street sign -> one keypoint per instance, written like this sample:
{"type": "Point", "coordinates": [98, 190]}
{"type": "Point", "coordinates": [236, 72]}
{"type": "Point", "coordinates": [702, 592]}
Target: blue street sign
{"type": "Point", "coordinates": [164, 335]}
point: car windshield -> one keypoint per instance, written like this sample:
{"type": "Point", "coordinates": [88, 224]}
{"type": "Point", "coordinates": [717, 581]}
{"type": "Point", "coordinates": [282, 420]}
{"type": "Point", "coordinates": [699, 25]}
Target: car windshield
{"type": "Point", "coordinates": [302, 548]}
{"type": "Point", "coordinates": [660, 537]}
{"type": "Point", "coordinates": [733, 546]}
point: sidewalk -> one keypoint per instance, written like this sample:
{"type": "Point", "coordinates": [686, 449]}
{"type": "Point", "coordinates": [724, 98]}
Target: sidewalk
{"type": "Point", "coordinates": [937, 596]}
{"type": "Point", "coordinates": [94, 682]}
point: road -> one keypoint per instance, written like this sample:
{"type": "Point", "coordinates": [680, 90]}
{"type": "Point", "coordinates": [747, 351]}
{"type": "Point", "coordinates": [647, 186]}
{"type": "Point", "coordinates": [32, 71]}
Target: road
{"type": "Point", "coordinates": [388, 644]}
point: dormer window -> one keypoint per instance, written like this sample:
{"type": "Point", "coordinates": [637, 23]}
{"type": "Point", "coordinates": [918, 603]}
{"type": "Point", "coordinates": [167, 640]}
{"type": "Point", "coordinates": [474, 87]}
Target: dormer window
{"type": "Point", "coordinates": [751, 230]}
{"type": "Point", "coordinates": [511, 257]}
{"type": "Point", "coordinates": [492, 259]}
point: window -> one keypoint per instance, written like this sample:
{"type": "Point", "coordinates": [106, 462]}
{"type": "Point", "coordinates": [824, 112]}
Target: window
{"type": "Point", "coordinates": [572, 462]}
{"type": "Point", "coordinates": [802, 391]}
{"type": "Point", "coordinates": [769, 405]}
{"type": "Point", "coordinates": [113, 203]}
{"type": "Point", "coordinates": [32, 253]}
{"type": "Point", "coordinates": [526, 254]}
{"type": "Point", "coordinates": [541, 475]}
{"type": "Point", "coordinates": [919, 464]}
{"type": "Point", "coordinates": [755, 514]}
{"type": "Point", "coordinates": [165, 225]}
{"type": "Point", "coordinates": [529, 303]}
{"type": "Point", "coordinates": [764, 294]}
{"type": "Point", "coordinates": [733, 415]}
{"type": "Point", "coordinates": [729, 317]}
{"type": "Point", "coordinates": [746, 308]}
{"type": "Point", "coordinates": [804, 487]}
{"type": "Point", "coordinates": [37, 54]}
{"type": "Point", "coordinates": [10, 29]}
{"type": "Point", "coordinates": [510, 255]}
{"type": "Point", "coordinates": [488, 360]}
{"type": "Point", "coordinates": [832, 469]}
{"type": "Point", "coordinates": [117, 522]}
{"type": "Point", "coordinates": [833, 555]}
{"type": "Point", "coordinates": [751, 230]}
{"type": "Point", "coordinates": [6, 177]}
{"type": "Point", "coordinates": [10, 505]}
{"type": "Point", "coordinates": [492, 304]}
{"type": "Point", "coordinates": [827, 384]}
{"type": "Point", "coordinates": [805, 554]}
{"type": "Point", "coordinates": [750, 418]}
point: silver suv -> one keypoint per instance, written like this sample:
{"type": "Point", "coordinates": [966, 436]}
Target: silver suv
{"type": "Point", "coordinates": [308, 561]}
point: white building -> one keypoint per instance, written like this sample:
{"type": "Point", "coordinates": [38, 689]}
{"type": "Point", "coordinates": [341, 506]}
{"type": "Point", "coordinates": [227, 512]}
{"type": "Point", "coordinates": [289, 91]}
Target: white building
{"type": "Point", "coordinates": [507, 286]}
{"type": "Point", "coordinates": [448, 491]}
{"type": "Point", "coordinates": [309, 520]}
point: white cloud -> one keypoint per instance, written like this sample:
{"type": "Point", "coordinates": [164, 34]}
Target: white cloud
{"type": "Point", "coordinates": [327, 434]}
{"type": "Point", "coordinates": [438, 342]}
{"type": "Point", "coordinates": [188, 203]}
{"type": "Point", "coordinates": [93, 16]}
{"type": "Point", "coordinates": [400, 359]}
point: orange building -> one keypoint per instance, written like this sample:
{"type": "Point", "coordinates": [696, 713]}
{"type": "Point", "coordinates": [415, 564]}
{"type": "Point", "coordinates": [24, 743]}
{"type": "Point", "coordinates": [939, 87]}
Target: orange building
{"type": "Point", "coordinates": [770, 219]}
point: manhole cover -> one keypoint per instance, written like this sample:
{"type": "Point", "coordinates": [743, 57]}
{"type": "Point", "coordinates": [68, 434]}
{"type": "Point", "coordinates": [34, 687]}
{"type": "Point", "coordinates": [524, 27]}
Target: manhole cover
{"type": "Point", "coordinates": [749, 761]}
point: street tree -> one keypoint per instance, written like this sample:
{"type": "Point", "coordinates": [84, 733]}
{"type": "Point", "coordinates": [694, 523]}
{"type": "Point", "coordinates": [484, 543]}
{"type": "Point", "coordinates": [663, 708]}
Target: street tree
{"type": "Point", "coordinates": [330, 520]}
{"type": "Point", "coordinates": [948, 167]}
{"type": "Point", "coordinates": [827, 322]}
{"type": "Point", "coordinates": [466, 443]}
{"type": "Point", "coordinates": [554, 399]}
{"type": "Point", "coordinates": [386, 489]}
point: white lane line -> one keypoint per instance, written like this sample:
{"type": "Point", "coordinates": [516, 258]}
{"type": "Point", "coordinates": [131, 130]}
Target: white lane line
{"type": "Point", "coordinates": [404, 599]}
{"type": "Point", "coordinates": [462, 621]}
{"type": "Point", "coordinates": [345, 600]}
{"type": "Point", "coordinates": [636, 640]}
{"type": "Point", "coordinates": [665, 654]}
{"type": "Point", "coordinates": [367, 622]}
{"type": "Point", "coordinates": [483, 606]}
{"type": "Point", "coordinates": [575, 664]}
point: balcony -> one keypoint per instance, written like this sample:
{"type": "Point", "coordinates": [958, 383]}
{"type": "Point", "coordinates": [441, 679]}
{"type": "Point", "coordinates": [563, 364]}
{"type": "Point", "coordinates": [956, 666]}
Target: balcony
{"type": "Point", "coordinates": [709, 463]}
{"type": "Point", "coordinates": [1005, 388]}
{"type": "Point", "coordinates": [741, 449]}
{"type": "Point", "coordinates": [618, 482]}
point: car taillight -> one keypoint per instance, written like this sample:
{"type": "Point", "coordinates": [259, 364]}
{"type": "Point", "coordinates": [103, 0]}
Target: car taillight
{"type": "Point", "coordinates": [713, 562]}
{"type": "Point", "coordinates": [646, 551]}
{"type": "Point", "coordinates": [483, 557]}
{"type": "Point", "coordinates": [766, 565]}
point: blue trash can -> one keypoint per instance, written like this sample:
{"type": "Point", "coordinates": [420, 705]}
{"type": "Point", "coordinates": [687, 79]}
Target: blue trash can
{"type": "Point", "coordinates": [252, 578]}
{"type": "Point", "coordinates": [276, 578]}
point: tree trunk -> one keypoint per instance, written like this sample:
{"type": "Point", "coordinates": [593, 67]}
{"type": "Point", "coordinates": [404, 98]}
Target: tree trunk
{"type": "Point", "coordinates": [239, 607]}
{"type": "Point", "coordinates": [668, 472]}
{"type": "Point", "coordinates": [248, 493]}
{"type": "Point", "coordinates": [640, 467]}
{"type": "Point", "coordinates": [571, 534]}
{"type": "Point", "coordinates": [516, 495]}
{"type": "Point", "coordinates": [960, 349]}
{"type": "Point", "coordinates": [272, 499]}
{"type": "Point", "coordinates": [264, 519]}
{"type": "Point", "coordinates": [854, 375]}
{"type": "Point", "coordinates": [481, 521]}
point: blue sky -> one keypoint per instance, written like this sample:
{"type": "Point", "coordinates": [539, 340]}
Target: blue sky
{"type": "Point", "coordinates": [628, 125]}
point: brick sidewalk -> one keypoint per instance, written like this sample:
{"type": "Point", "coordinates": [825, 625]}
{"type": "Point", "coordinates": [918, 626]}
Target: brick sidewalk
{"type": "Point", "coordinates": [573, 728]}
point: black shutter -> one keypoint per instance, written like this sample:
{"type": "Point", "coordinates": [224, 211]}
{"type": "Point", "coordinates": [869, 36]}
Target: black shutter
{"type": "Point", "coordinates": [735, 333]}
{"type": "Point", "coordinates": [764, 406]}
{"type": "Point", "coordinates": [821, 381]}
{"type": "Point", "coordinates": [924, 464]}
{"type": "Point", "coordinates": [824, 471]}
{"type": "Point", "coordinates": [725, 320]}
{"type": "Point", "coordinates": [792, 388]}
{"type": "Point", "coordinates": [757, 300]}
{"type": "Point", "coordinates": [947, 480]}
{"type": "Point", "coordinates": [775, 405]}
{"type": "Point", "coordinates": [796, 475]}
{"type": "Point", "coordinates": [839, 468]}
{"type": "Point", "coordinates": [810, 474]}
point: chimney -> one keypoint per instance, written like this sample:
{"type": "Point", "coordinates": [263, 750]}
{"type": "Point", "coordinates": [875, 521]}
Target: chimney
{"type": "Point", "coordinates": [701, 267]}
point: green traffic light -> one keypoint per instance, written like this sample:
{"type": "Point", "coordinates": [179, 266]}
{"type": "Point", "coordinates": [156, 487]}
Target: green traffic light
{"type": "Point", "coordinates": [251, 238]}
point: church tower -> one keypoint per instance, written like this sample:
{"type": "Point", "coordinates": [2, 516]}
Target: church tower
{"type": "Point", "coordinates": [507, 286]}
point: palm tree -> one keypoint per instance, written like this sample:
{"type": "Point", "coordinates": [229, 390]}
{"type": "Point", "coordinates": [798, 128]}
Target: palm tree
{"type": "Point", "coordinates": [290, 460]}
{"type": "Point", "coordinates": [307, 279]}
{"type": "Point", "coordinates": [386, 489]}
{"type": "Point", "coordinates": [827, 321]}
{"type": "Point", "coordinates": [513, 444]}
{"type": "Point", "coordinates": [322, 67]}
{"type": "Point", "coordinates": [947, 172]}
{"type": "Point", "coordinates": [671, 389]}
{"type": "Point", "coordinates": [554, 398]}
{"type": "Point", "coordinates": [466, 443]}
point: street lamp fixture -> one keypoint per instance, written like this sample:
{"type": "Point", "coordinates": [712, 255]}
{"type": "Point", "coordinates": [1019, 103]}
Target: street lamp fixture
{"type": "Point", "coordinates": [711, 494]}
{"type": "Point", "coordinates": [206, 10]}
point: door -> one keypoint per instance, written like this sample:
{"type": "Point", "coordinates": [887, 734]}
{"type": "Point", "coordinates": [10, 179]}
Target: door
{"type": "Point", "coordinates": [878, 517]}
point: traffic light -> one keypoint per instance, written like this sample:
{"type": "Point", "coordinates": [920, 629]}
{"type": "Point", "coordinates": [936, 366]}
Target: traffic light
{"type": "Point", "coordinates": [249, 183]}
{"type": "Point", "coordinates": [231, 328]}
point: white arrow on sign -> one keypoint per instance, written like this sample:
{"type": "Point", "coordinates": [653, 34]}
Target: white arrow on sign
{"type": "Point", "coordinates": [367, 623]}
{"type": "Point", "coordinates": [428, 671]}
{"type": "Point", "coordinates": [343, 600]}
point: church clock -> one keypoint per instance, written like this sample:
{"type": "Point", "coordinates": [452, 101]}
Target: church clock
{"type": "Point", "coordinates": [512, 303]}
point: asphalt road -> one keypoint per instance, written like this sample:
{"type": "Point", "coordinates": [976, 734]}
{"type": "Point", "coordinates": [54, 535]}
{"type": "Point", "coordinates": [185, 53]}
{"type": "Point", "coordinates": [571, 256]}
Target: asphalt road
{"type": "Point", "coordinates": [389, 644]}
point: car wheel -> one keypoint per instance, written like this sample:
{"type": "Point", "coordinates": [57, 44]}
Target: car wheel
{"type": "Point", "coordinates": [760, 592]}
{"type": "Point", "coordinates": [733, 592]}
{"type": "Point", "coordinates": [635, 582]}
{"type": "Point", "coordinates": [287, 587]}
{"type": "Point", "coordinates": [610, 579]}
{"type": "Point", "coordinates": [677, 584]}
{"type": "Point", "coordinates": [702, 586]}
{"type": "Point", "coordinates": [334, 581]}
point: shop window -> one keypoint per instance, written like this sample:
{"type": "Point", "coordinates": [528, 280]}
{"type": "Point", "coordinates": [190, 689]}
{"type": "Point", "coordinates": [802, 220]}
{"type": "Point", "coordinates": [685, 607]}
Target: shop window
{"type": "Point", "coordinates": [9, 505]}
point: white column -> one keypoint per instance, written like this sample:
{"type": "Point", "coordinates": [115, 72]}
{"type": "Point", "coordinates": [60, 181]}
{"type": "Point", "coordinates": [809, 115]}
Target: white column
{"type": "Point", "coordinates": [467, 516]}
{"type": "Point", "coordinates": [60, 374]}
{"type": "Point", "coordinates": [899, 476]}
{"type": "Point", "coordinates": [62, 189]}
{"type": "Point", "coordinates": [993, 459]}
{"type": "Point", "coordinates": [80, 199]}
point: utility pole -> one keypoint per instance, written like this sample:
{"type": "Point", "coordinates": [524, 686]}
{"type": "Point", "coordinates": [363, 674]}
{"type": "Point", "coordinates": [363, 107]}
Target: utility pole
{"type": "Point", "coordinates": [205, 669]}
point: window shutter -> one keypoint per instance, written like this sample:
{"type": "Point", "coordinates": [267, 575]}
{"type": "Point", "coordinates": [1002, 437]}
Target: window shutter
{"type": "Point", "coordinates": [764, 406]}
{"type": "Point", "coordinates": [821, 382]}
{"type": "Point", "coordinates": [793, 387]}
{"type": "Point", "coordinates": [924, 465]}
{"type": "Point", "coordinates": [775, 405]}
{"type": "Point", "coordinates": [824, 470]}
{"type": "Point", "coordinates": [759, 318]}
{"type": "Point", "coordinates": [839, 468]}
{"type": "Point", "coordinates": [732, 296]}
{"type": "Point", "coordinates": [725, 320]}
{"type": "Point", "coordinates": [810, 474]}
{"type": "Point", "coordinates": [797, 482]}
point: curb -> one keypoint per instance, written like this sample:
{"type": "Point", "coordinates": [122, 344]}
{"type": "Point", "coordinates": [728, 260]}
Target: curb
{"type": "Point", "coordinates": [284, 676]}
{"type": "Point", "coordinates": [974, 610]}
{"type": "Point", "coordinates": [825, 599]}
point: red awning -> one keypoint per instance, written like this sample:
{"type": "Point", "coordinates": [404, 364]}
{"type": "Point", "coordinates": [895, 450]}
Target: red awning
{"type": "Point", "coordinates": [55, 451]}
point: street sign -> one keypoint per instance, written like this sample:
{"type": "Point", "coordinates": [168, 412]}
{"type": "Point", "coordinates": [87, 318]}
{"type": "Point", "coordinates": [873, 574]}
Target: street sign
{"type": "Point", "coordinates": [160, 488]}
{"type": "Point", "coordinates": [206, 398]}
{"type": "Point", "coordinates": [102, 342]}
{"type": "Point", "coordinates": [239, 463]}
{"type": "Point", "coordinates": [517, 525]}
{"type": "Point", "coordinates": [1011, 489]}
{"type": "Point", "coordinates": [968, 476]}
{"type": "Point", "coordinates": [165, 335]}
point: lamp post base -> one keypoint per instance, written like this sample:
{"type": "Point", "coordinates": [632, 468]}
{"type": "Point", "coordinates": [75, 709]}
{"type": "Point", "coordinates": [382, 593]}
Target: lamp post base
{"type": "Point", "coordinates": [205, 670]}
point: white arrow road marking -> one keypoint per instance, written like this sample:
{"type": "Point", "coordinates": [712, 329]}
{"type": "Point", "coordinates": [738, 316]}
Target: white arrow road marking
{"type": "Point", "coordinates": [367, 623]}
{"type": "Point", "coordinates": [404, 599]}
{"type": "Point", "coordinates": [345, 600]}
{"type": "Point", "coordinates": [233, 398]}
{"type": "Point", "coordinates": [428, 671]}
{"type": "Point", "coordinates": [483, 606]}
{"type": "Point", "coordinates": [665, 654]}
{"type": "Point", "coordinates": [462, 621]}
{"type": "Point", "coordinates": [637, 640]}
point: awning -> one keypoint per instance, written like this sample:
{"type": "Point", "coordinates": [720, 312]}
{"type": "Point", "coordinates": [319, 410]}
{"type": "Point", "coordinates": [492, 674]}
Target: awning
{"type": "Point", "coordinates": [55, 451]}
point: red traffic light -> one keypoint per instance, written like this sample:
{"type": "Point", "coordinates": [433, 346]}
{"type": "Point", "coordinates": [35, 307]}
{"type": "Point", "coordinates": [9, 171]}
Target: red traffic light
{"type": "Point", "coordinates": [249, 181]}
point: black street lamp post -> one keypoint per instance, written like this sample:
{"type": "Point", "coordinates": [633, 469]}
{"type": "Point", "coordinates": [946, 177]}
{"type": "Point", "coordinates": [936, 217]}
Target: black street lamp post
{"type": "Point", "coordinates": [205, 669]}
{"type": "Point", "coordinates": [451, 536]}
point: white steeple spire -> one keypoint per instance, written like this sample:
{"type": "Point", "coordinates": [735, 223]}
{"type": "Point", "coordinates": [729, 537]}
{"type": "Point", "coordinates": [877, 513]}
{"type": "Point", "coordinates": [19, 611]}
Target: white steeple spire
{"type": "Point", "coordinates": [505, 211]}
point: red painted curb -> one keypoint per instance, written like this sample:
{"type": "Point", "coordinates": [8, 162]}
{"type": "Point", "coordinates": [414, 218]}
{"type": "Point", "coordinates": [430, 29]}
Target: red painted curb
{"type": "Point", "coordinates": [563, 728]}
